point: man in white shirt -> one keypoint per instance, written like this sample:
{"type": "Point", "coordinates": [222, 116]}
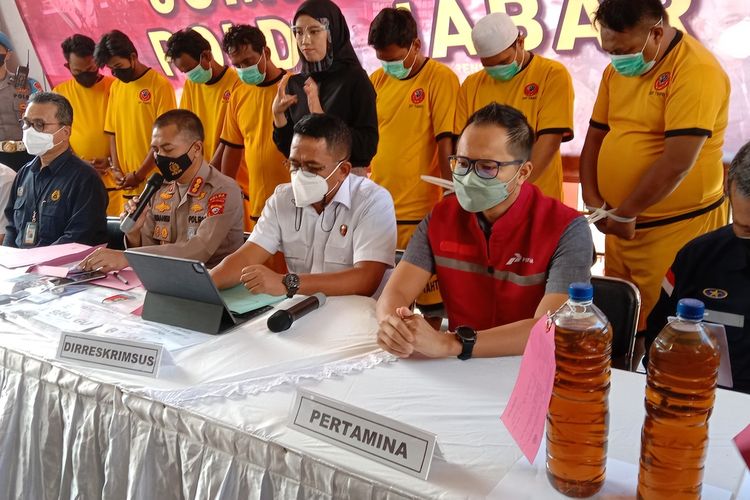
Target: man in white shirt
{"type": "Point", "coordinates": [7, 175]}
{"type": "Point", "coordinates": [337, 232]}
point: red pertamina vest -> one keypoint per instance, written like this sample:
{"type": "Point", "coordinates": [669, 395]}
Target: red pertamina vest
{"type": "Point", "coordinates": [491, 283]}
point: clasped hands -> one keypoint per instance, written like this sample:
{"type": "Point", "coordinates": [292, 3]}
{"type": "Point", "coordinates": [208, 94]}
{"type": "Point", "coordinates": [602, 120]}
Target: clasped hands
{"type": "Point", "coordinates": [405, 334]}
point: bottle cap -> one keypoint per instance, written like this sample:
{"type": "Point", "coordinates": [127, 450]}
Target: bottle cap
{"type": "Point", "coordinates": [691, 309]}
{"type": "Point", "coordinates": [581, 292]}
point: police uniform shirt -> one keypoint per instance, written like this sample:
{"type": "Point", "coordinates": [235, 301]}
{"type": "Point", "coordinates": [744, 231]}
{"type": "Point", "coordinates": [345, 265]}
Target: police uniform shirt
{"type": "Point", "coordinates": [12, 107]}
{"type": "Point", "coordinates": [68, 198]}
{"type": "Point", "coordinates": [203, 222]}
{"type": "Point", "coordinates": [359, 224]}
{"type": "Point", "coordinates": [714, 268]}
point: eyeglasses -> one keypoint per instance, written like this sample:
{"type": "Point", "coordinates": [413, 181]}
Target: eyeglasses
{"type": "Point", "coordinates": [486, 169]}
{"type": "Point", "coordinates": [39, 125]}
{"type": "Point", "coordinates": [300, 32]}
{"type": "Point", "coordinates": [312, 168]}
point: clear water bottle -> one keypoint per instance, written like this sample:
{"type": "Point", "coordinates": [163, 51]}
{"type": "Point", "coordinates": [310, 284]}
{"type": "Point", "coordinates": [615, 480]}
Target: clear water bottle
{"type": "Point", "coordinates": [578, 417]}
{"type": "Point", "coordinates": [681, 382]}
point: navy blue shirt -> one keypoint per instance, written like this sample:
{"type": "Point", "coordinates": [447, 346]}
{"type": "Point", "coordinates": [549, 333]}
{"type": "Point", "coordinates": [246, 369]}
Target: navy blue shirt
{"type": "Point", "coordinates": [68, 197]}
{"type": "Point", "coordinates": [715, 269]}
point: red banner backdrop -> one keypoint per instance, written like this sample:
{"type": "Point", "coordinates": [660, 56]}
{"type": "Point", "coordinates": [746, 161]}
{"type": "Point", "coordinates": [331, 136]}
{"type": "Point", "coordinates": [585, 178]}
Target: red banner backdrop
{"type": "Point", "coordinates": [560, 29]}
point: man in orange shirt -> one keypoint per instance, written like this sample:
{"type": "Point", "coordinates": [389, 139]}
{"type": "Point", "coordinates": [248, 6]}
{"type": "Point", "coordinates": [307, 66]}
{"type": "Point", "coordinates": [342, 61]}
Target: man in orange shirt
{"type": "Point", "coordinates": [652, 156]}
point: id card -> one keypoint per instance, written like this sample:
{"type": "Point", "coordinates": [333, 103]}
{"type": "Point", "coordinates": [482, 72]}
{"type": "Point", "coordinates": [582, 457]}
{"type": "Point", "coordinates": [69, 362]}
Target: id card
{"type": "Point", "coordinates": [30, 233]}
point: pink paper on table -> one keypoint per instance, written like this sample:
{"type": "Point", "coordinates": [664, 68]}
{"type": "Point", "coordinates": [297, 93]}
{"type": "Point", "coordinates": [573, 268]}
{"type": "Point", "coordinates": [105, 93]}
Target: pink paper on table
{"type": "Point", "coordinates": [742, 442]}
{"type": "Point", "coordinates": [526, 412]}
{"type": "Point", "coordinates": [56, 271]}
{"type": "Point", "coordinates": [110, 281]}
{"type": "Point", "coordinates": [53, 255]}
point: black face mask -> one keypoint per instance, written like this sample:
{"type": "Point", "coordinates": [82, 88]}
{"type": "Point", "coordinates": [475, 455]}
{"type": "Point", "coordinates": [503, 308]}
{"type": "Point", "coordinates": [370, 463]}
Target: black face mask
{"type": "Point", "coordinates": [87, 78]}
{"type": "Point", "coordinates": [173, 168]}
{"type": "Point", "coordinates": [126, 75]}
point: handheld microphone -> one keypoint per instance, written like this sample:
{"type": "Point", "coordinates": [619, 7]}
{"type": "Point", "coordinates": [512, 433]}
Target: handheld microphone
{"type": "Point", "coordinates": [283, 318]}
{"type": "Point", "coordinates": [153, 185]}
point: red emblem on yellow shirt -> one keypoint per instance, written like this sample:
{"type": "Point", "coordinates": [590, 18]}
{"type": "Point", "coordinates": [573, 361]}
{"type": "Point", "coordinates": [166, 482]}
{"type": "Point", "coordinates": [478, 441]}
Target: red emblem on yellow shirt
{"type": "Point", "coordinates": [662, 81]}
{"type": "Point", "coordinates": [418, 96]}
{"type": "Point", "coordinates": [531, 90]}
{"type": "Point", "coordinates": [144, 95]}
{"type": "Point", "coordinates": [196, 186]}
{"type": "Point", "coordinates": [226, 96]}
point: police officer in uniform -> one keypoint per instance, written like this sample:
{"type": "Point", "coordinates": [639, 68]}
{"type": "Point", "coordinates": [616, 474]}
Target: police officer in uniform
{"type": "Point", "coordinates": [715, 268]}
{"type": "Point", "coordinates": [57, 197]}
{"type": "Point", "coordinates": [197, 213]}
{"type": "Point", "coordinates": [13, 101]}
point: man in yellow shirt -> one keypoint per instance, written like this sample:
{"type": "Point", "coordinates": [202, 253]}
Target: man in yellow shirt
{"type": "Point", "coordinates": [136, 99]}
{"type": "Point", "coordinates": [416, 99]}
{"type": "Point", "coordinates": [538, 87]}
{"type": "Point", "coordinates": [652, 156]}
{"type": "Point", "coordinates": [249, 121]}
{"type": "Point", "coordinates": [208, 88]}
{"type": "Point", "coordinates": [88, 94]}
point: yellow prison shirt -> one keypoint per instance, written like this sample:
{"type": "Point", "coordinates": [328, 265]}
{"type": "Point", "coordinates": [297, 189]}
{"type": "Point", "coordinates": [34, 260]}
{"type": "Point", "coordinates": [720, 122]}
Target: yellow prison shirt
{"type": "Point", "coordinates": [249, 125]}
{"type": "Point", "coordinates": [542, 91]}
{"type": "Point", "coordinates": [413, 114]}
{"type": "Point", "coordinates": [133, 108]}
{"type": "Point", "coordinates": [88, 139]}
{"type": "Point", "coordinates": [210, 101]}
{"type": "Point", "coordinates": [686, 93]}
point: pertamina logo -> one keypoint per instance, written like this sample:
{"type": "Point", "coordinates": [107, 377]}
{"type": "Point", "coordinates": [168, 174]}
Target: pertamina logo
{"type": "Point", "coordinates": [144, 95]}
{"type": "Point", "coordinates": [519, 258]}
{"type": "Point", "coordinates": [417, 97]}
{"type": "Point", "coordinates": [531, 90]}
{"type": "Point", "coordinates": [662, 81]}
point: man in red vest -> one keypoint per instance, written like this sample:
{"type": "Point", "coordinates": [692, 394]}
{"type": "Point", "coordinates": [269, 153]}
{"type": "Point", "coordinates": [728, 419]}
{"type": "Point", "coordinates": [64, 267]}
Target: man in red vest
{"type": "Point", "coordinates": [504, 254]}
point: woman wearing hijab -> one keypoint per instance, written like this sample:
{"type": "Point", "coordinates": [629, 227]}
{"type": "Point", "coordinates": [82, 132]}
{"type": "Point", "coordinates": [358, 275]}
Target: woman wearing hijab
{"type": "Point", "coordinates": [332, 80]}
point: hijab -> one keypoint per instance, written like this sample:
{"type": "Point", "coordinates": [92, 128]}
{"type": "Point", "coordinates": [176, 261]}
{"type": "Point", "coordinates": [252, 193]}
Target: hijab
{"type": "Point", "coordinates": [340, 52]}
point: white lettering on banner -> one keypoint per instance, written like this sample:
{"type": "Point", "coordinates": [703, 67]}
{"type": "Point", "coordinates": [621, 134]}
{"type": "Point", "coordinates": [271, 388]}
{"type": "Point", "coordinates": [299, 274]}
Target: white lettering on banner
{"type": "Point", "coordinates": [140, 358]}
{"type": "Point", "coordinates": [368, 434]}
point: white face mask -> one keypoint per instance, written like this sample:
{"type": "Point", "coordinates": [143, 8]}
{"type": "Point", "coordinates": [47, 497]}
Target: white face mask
{"type": "Point", "coordinates": [309, 188]}
{"type": "Point", "coordinates": [38, 143]}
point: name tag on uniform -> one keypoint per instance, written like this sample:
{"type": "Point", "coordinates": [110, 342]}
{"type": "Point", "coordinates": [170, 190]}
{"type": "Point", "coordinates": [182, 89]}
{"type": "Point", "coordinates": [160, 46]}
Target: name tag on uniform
{"type": "Point", "coordinates": [392, 443]}
{"type": "Point", "coordinates": [30, 234]}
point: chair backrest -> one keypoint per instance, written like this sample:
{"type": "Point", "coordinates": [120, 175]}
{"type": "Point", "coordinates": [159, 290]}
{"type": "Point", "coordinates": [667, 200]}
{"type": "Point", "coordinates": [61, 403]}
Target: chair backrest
{"type": "Point", "coordinates": [620, 301]}
{"type": "Point", "coordinates": [114, 234]}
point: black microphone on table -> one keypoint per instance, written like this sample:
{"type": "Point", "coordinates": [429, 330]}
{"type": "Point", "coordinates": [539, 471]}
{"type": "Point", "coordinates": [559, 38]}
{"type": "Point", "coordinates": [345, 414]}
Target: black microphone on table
{"type": "Point", "coordinates": [152, 186]}
{"type": "Point", "coordinates": [283, 318]}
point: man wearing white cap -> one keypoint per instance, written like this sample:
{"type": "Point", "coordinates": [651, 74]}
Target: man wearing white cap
{"type": "Point", "coordinates": [13, 99]}
{"type": "Point", "coordinates": [538, 87]}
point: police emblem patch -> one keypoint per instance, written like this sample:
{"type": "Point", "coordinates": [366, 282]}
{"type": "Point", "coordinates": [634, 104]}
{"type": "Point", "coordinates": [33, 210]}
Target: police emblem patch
{"type": "Point", "coordinates": [715, 293]}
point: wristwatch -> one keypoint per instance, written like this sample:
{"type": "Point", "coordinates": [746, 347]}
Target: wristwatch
{"type": "Point", "coordinates": [291, 282]}
{"type": "Point", "coordinates": [468, 337]}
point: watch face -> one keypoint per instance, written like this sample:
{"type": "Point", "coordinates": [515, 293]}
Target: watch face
{"type": "Point", "coordinates": [291, 280]}
{"type": "Point", "coordinates": [466, 333]}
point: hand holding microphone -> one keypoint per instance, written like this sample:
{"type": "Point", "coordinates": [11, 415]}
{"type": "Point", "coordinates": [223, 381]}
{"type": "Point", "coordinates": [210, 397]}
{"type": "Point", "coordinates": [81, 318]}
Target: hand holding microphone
{"type": "Point", "coordinates": [283, 318]}
{"type": "Point", "coordinates": [128, 224]}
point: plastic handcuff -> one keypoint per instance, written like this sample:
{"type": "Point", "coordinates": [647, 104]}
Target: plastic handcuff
{"type": "Point", "coordinates": [600, 213]}
{"type": "Point", "coordinates": [438, 181]}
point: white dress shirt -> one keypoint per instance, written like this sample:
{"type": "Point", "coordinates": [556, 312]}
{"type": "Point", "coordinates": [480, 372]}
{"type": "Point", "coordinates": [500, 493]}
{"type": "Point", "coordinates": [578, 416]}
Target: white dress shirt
{"type": "Point", "coordinates": [359, 224]}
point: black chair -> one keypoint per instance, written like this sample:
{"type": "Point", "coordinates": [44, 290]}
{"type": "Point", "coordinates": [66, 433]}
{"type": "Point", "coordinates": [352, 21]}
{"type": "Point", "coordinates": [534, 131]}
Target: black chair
{"type": "Point", "coordinates": [115, 237]}
{"type": "Point", "coordinates": [620, 301]}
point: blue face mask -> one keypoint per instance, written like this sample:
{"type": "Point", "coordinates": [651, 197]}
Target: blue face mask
{"type": "Point", "coordinates": [477, 195]}
{"type": "Point", "coordinates": [504, 72]}
{"type": "Point", "coordinates": [199, 74]}
{"type": "Point", "coordinates": [252, 75]}
{"type": "Point", "coordinates": [396, 69]}
{"type": "Point", "coordinates": [635, 64]}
